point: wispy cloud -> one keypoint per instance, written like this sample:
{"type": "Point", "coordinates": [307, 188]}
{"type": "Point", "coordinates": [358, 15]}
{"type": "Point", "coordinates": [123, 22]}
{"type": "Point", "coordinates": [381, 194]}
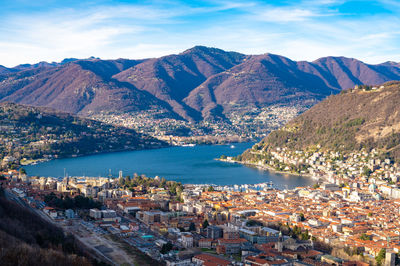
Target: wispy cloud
{"type": "Point", "coordinates": [285, 15]}
{"type": "Point", "coordinates": [302, 30]}
{"type": "Point", "coordinates": [72, 33]}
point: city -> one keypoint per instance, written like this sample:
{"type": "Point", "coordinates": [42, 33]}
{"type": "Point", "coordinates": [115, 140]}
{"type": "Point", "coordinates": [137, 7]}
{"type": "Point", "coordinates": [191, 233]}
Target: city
{"type": "Point", "coordinates": [204, 133]}
{"type": "Point", "coordinates": [239, 225]}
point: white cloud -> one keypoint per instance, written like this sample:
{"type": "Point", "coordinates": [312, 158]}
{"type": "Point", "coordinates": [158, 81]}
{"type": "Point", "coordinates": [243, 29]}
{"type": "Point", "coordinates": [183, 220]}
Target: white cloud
{"type": "Point", "coordinates": [68, 34]}
{"type": "Point", "coordinates": [303, 31]}
{"type": "Point", "coordinates": [285, 15]}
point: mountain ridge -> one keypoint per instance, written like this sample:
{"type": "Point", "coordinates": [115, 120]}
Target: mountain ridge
{"type": "Point", "coordinates": [198, 84]}
{"type": "Point", "coordinates": [174, 76]}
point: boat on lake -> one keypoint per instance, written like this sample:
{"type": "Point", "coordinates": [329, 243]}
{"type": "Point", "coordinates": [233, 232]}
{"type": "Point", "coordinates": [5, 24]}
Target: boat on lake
{"type": "Point", "coordinates": [188, 145]}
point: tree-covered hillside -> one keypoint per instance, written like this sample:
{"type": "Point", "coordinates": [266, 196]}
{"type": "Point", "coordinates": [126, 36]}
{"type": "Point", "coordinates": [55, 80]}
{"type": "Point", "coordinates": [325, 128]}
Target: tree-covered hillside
{"type": "Point", "coordinates": [34, 133]}
{"type": "Point", "coordinates": [27, 239]}
{"type": "Point", "coordinates": [365, 117]}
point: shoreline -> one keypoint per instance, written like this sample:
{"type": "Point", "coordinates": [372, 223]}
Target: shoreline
{"type": "Point", "coordinates": [265, 167]}
{"type": "Point", "coordinates": [42, 160]}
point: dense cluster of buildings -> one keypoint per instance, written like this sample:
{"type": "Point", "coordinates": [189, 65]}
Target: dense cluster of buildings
{"type": "Point", "coordinates": [341, 166]}
{"type": "Point", "coordinates": [355, 169]}
{"type": "Point", "coordinates": [238, 227]}
{"type": "Point", "coordinates": [244, 123]}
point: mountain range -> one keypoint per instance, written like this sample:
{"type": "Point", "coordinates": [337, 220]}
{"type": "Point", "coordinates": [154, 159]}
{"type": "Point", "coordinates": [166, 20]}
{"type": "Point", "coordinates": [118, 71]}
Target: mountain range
{"type": "Point", "coordinates": [198, 84]}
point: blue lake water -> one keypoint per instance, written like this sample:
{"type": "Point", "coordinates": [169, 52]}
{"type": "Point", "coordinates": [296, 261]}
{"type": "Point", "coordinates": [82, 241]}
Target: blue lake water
{"type": "Point", "coordinates": [190, 165]}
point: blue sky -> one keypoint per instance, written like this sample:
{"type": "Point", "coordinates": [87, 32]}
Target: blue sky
{"type": "Point", "coordinates": [51, 30]}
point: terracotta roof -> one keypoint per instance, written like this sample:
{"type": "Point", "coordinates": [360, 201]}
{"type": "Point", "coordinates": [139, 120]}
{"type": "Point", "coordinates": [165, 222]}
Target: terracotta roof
{"type": "Point", "coordinates": [209, 260]}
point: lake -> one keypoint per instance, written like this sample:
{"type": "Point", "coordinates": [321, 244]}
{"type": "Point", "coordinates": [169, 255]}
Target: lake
{"type": "Point", "coordinates": [189, 165]}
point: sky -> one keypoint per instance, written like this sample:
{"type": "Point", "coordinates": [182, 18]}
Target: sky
{"type": "Point", "coordinates": [51, 30]}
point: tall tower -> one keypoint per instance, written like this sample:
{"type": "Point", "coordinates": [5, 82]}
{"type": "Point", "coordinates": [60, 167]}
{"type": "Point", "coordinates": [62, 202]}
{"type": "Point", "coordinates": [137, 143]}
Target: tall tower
{"type": "Point", "coordinates": [279, 244]}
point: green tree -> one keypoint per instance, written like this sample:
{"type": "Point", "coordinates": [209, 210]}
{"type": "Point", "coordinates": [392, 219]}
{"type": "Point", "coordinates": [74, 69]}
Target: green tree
{"type": "Point", "coordinates": [366, 171]}
{"type": "Point", "coordinates": [163, 182]}
{"type": "Point", "coordinates": [128, 181]}
{"type": "Point", "coordinates": [121, 181]}
{"type": "Point", "coordinates": [304, 235]}
{"type": "Point", "coordinates": [210, 189]}
{"type": "Point", "coordinates": [68, 203]}
{"type": "Point", "coordinates": [364, 236]}
{"type": "Point", "coordinates": [253, 223]}
{"type": "Point", "coordinates": [205, 224]}
{"type": "Point", "coordinates": [179, 190]}
{"type": "Point", "coordinates": [166, 248]}
{"type": "Point", "coordinates": [192, 227]}
{"type": "Point", "coordinates": [397, 260]}
{"type": "Point", "coordinates": [380, 257]}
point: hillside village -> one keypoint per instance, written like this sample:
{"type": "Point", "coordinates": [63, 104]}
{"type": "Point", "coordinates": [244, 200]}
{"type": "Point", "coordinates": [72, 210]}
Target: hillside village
{"type": "Point", "coordinates": [241, 124]}
{"type": "Point", "coordinates": [357, 167]}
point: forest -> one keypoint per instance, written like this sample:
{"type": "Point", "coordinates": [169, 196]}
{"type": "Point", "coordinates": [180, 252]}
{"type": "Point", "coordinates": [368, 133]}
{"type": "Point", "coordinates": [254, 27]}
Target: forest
{"type": "Point", "coordinates": [28, 239]}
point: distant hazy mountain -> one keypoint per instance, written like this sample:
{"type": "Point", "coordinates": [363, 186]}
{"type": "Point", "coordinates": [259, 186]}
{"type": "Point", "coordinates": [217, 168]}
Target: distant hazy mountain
{"type": "Point", "coordinates": [4, 70]}
{"type": "Point", "coordinates": [199, 83]}
{"type": "Point", "coordinates": [344, 73]}
{"type": "Point", "coordinates": [81, 87]}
